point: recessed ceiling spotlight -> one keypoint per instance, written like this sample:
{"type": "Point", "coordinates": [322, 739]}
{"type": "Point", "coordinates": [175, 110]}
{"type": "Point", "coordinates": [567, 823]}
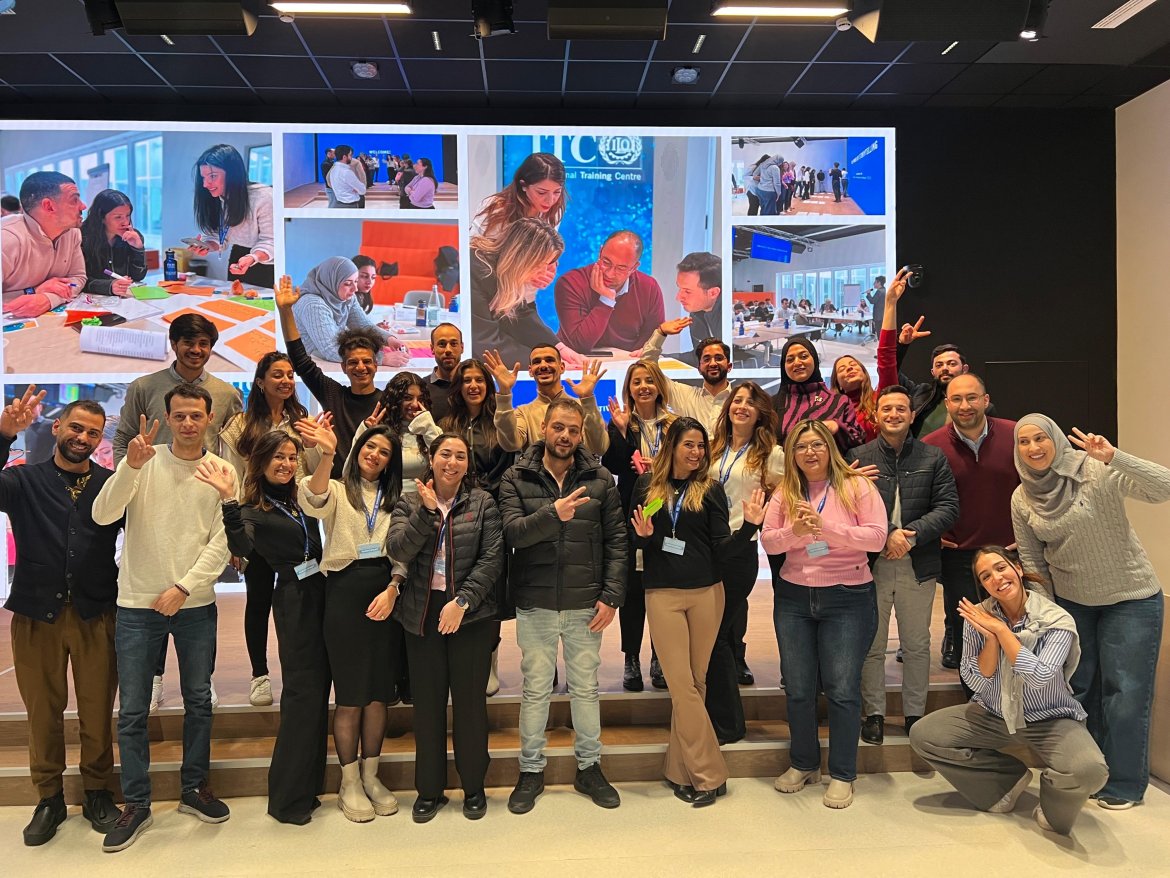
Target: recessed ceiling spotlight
{"type": "Point", "coordinates": [364, 69]}
{"type": "Point", "coordinates": [1029, 35]}
{"type": "Point", "coordinates": [435, 39]}
{"type": "Point", "coordinates": [702, 38]}
{"type": "Point", "coordinates": [684, 75]}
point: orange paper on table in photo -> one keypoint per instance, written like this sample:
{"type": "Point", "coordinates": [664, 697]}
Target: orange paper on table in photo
{"type": "Point", "coordinates": [233, 310]}
{"type": "Point", "coordinates": [218, 322]}
{"type": "Point", "coordinates": [178, 287]}
{"type": "Point", "coordinates": [72, 317]}
{"type": "Point", "coordinates": [254, 344]}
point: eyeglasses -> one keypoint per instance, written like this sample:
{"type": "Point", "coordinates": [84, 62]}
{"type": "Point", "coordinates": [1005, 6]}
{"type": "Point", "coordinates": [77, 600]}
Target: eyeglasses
{"type": "Point", "coordinates": [804, 447]}
{"type": "Point", "coordinates": [620, 269]}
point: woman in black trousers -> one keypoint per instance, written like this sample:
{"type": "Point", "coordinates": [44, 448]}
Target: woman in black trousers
{"type": "Point", "coordinates": [451, 540]}
{"type": "Point", "coordinates": [270, 525]}
{"type": "Point", "coordinates": [745, 458]}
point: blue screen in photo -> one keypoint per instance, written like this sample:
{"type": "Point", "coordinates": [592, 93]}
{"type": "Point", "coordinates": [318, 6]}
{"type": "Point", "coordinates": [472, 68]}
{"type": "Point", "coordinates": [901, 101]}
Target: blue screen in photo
{"type": "Point", "coordinates": [384, 145]}
{"type": "Point", "coordinates": [866, 158]}
{"type": "Point", "coordinates": [772, 249]}
{"type": "Point", "coordinates": [525, 391]}
{"type": "Point", "coordinates": [610, 186]}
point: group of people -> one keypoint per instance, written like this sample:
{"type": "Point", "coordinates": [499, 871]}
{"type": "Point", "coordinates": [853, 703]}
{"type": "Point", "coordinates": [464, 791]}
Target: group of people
{"type": "Point", "coordinates": [606, 306]}
{"type": "Point", "coordinates": [348, 178]}
{"type": "Point", "coordinates": [52, 254]}
{"type": "Point", "coordinates": [445, 510]}
{"type": "Point", "coordinates": [771, 184]}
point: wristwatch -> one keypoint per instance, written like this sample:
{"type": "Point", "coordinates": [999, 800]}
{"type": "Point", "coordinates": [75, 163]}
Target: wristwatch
{"type": "Point", "coordinates": [462, 603]}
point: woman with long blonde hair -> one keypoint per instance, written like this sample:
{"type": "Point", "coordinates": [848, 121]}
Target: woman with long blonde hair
{"type": "Point", "coordinates": [851, 379]}
{"type": "Point", "coordinates": [745, 458]}
{"type": "Point", "coordinates": [637, 426]}
{"type": "Point", "coordinates": [826, 517]}
{"type": "Point", "coordinates": [685, 541]}
{"type": "Point", "coordinates": [506, 274]}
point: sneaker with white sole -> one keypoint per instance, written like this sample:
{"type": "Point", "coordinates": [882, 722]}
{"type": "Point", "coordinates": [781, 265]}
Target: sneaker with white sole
{"type": "Point", "coordinates": [203, 803]}
{"type": "Point", "coordinates": [1112, 803]}
{"type": "Point", "coordinates": [794, 780]}
{"type": "Point", "coordinates": [1008, 803]}
{"type": "Point", "coordinates": [134, 821]}
{"type": "Point", "coordinates": [156, 694]}
{"type": "Point", "coordinates": [839, 794]}
{"type": "Point", "coordinates": [214, 696]}
{"type": "Point", "coordinates": [261, 692]}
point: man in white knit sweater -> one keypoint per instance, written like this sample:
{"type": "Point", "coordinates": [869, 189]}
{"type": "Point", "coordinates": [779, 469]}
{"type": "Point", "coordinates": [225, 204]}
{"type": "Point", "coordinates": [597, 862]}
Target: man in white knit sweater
{"type": "Point", "coordinates": [175, 550]}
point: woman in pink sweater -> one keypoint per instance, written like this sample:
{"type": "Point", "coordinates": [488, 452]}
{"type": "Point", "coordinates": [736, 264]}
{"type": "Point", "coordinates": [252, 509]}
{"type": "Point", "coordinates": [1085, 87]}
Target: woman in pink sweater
{"type": "Point", "coordinates": [826, 517]}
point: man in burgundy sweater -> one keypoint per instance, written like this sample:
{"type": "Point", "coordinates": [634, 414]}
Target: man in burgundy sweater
{"type": "Point", "coordinates": [609, 304]}
{"type": "Point", "coordinates": [980, 452]}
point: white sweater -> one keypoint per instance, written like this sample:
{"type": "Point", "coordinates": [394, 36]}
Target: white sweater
{"type": "Point", "coordinates": [174, 529]}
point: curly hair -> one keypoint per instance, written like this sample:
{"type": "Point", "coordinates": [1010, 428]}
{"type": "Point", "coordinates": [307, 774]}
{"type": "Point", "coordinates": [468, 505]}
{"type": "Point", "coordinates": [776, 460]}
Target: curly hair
{"type": "Point", "coordinates": [366, 339]}
{"type": "Point", "coordinates": [393, 398]}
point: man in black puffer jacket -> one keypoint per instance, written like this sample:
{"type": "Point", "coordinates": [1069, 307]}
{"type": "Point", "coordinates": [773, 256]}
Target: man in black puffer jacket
{"type": "Point", "coordinates": [564, 524]}
{"type": "Point", "coordinates": [922, 502]}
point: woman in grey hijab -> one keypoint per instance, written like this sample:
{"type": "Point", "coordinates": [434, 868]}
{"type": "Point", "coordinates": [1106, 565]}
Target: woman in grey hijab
{"type": "Point", "coordinates": [328, 304]}
{"type": "Point", "coordinates": [1073, 532]}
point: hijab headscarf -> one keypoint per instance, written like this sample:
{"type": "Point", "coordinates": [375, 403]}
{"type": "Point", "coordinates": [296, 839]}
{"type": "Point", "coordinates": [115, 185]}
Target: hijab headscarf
{"type": "Point", "coordinates": [323, 282]}
{"type": "Point", "coordinates": [814, 377]}
{"type": "Point", "coordinates": [1050, 492]}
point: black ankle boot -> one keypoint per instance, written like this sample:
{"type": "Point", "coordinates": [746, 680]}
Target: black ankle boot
{"type": "Point", "coordinates": [50, 814]}
{"type": "Point", "coordinates": [632, 678]}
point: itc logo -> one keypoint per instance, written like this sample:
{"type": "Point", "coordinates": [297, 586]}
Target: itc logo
{"type": "Point", "coordinates": [593, 153]}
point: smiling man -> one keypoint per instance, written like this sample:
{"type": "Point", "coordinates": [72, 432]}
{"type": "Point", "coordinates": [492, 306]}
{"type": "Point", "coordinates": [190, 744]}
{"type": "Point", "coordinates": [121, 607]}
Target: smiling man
{"type": "Point", "coordinates": [922, 502]}
{"type": "Point", "coordinates": [713, 356]}
{"type": "Point", "coordinates": [43, 263]}
{"type": "Point", "coordinates": [609, 304]}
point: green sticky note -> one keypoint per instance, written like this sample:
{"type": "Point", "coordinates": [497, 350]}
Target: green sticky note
{"type": "Point", "coordinates": [146, 293]}
{"type": "Point", "coordinates": [650, 508]}
{"type": "Point", "coordinates": [262, 304]}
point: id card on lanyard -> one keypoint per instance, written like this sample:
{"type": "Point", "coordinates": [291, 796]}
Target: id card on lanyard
{"type": "Point", "coordinates": [309, 566]}
{"type": "Point", "coordinates": [818, 548]}
{"type": "Point", "coordinates": [372, 549]}
{"type": "Point", "coordinates": [725, 471]}
{"type": "Point", "coordinates": [652, 446]}
{"type": "Point", "coordinates": [670, 544]}
{"type": "Point", "coordinates": [440, 568]}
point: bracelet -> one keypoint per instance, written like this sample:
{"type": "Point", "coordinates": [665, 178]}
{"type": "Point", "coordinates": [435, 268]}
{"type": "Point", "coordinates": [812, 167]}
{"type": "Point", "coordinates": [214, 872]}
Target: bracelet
{"type": "Point", "coordinates": [183, 590]}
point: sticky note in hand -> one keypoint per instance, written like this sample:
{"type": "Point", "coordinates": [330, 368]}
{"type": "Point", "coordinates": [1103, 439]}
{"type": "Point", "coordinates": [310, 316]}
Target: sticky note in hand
{"type": "Point", "coordinates": [650, 508]}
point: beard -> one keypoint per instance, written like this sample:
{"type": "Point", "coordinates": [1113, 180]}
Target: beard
{"type": "Point", "coordinates": [718, 379]}
{"type": "Point", "coordinates": [72, 455]}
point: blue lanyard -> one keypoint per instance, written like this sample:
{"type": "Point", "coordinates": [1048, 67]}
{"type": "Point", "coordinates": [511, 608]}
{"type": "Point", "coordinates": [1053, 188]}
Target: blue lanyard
{"type": "Point", "coordinates": [296, 515]}
{"type": "Point", "coordinates": [223, 226]}
{"type": "Point", "coordinates": [823, 499]}
{"type": "Point", "coordinates": [677, 508]}
{"type": "Point", "coordinates": [724, 475]}
{"type": "Point", "coordinates": [657, 443]}
{"type": "Point", "coordinates": [372, 517]}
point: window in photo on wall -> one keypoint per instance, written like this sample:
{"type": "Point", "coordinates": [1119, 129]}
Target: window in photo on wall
{"type": "Point", "coordinates": [577, 241]}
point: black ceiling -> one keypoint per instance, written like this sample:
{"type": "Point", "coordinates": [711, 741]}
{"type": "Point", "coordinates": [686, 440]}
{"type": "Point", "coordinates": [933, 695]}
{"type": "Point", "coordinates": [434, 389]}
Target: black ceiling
{"type": "Point", "coordinates": [48, 56]}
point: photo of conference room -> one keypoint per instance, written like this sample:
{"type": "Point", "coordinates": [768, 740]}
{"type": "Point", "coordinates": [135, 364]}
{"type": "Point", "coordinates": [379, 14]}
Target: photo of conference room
{"type": "Point", "coordinates": [401, 277]}
{"type": "Point", "coordinates": [146, 225]}
{"type": "Point", "coordinates": [577, 241]}
{"type": "Point", "coordinates": [818, 281]}
{"type": "Point", "coordinates": [808, 176]}
{"type": "Point", "coordinates": [361, 170]}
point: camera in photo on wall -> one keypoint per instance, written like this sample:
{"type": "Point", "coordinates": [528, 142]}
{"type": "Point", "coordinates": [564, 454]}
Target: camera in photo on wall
{"type": "Point", "coordinates": [917, 274]}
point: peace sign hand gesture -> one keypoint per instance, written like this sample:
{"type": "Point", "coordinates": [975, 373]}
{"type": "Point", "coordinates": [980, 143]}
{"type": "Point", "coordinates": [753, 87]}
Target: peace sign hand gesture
{"type": "Point", "coordinates": [141, 448]}
{"type": "Point", "coordinates": [1097, 447]}
{"type": "Point", "coordinates": [567, 506]}
{"type": "Point", "coordinates": [589, 378]}
{"type": "Point", "coordinates": [910, 334]}
{"type": "Point", "coordinates": [618, 415]}
{"type": "Point", "coordinates": [505, 379]}
{"type": "Point", "coordinates": [377, 415]}
{"type": "Point", "coordinates": [21, 413]}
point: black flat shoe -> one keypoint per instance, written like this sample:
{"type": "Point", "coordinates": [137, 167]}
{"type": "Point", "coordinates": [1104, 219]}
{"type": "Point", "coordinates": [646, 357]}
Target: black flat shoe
{"type": "Point", "coordinates": [49, 814]}
{"type": "Point", "coordinates": [475, 806]}
{"type": "Point", "coordinates": [99, 809]}
{"type": "Point", "coordinates": [425, 810]}
{"type": "Point", "coordinates": [703, 798]}
{"type": "Point", "coordinates": [745, 677]}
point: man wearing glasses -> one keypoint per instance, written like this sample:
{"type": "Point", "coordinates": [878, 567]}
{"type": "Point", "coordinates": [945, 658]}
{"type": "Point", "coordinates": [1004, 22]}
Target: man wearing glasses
{"type": "Point", "coordinates": [609, 304]}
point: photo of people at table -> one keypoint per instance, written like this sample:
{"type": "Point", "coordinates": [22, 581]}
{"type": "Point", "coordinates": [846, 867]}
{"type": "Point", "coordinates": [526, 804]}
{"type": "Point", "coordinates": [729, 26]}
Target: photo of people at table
{"type": "Point", "coordinates": [120, 232]}
{"type": "Point", "coordinates": [808, 176]}
{"type": "Point", "coordinates": [592, 245]}
{"type": "Point", "coordinates": [393, 279]}
{"type": "Point", "coordinates": [823, 282]}
{"type": "Point", "coordinates": [356, 169]}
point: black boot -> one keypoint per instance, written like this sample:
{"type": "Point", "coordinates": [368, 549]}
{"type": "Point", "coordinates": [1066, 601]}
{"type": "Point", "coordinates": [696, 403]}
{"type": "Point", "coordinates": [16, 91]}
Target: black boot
{"type": "Point", "coordinates": [632, 678]}
{"type": "Point", "coordinates": [50, 814]}
{"type": "Point", "coordinates": [950, 653]}
{"type": "Point", "coordinates": [99, 809]}
{"type": "Point", "coordinates": [657, 678]}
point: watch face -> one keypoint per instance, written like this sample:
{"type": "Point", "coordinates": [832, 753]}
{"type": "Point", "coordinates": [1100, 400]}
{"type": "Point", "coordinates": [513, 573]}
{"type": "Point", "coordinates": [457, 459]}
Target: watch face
{"type": "Point", "coordinates": [461, 602]}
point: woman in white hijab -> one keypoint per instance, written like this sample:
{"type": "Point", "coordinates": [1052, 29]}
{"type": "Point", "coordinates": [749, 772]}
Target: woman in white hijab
{"type": "Point", "coordinates": [1073, 532]}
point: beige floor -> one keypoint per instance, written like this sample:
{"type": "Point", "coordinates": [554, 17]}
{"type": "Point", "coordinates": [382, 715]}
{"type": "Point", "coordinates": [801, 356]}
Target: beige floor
{"type": "Point", "coordinates": [899, 825]}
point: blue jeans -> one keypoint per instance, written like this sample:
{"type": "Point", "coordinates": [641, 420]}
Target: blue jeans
{"type": "Point", "coordinates": [769, 203]}
{"type": "Point", "coordinates": [139, 637]}
{"type": "Point", "coordinates": [1115, 683]}
{"type": "Point", "coordinates": [826, 630]}
{"type": "Point", "coordinates": [537, 634]}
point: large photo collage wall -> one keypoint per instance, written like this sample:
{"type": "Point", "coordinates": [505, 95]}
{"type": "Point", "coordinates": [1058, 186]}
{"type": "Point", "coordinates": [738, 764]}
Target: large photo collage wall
{"type": "Point", "coordinates": [756, 236]}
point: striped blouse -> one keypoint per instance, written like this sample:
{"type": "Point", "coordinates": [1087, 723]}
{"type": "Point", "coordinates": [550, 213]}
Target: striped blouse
{"type": "Point", "coordinates": [1046, 693]}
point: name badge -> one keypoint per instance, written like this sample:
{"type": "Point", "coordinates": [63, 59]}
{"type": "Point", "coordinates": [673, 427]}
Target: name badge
{"type": "Point", "coordinates": [818, 549]}
{"type": "Point", "coordinates": [673, 546]}
{"type": "Point", "coordinates": [369, 550]}
{"type": "Point", "coordinates": [304, 571]}
{"type": "Point", "coordinates": [441, 564]}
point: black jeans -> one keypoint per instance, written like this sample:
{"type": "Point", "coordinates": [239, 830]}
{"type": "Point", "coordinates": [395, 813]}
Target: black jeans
{"type": "Point", "coordinates": [632, 615]}
{"type": "Point", "coordinates": [297, 772]}
{"type": "Point", "coordinates": [724, 705]}
{"type": "Point", "coordinates": [958, 582]}
{"type": "Point", "coordinates": [259, 581]}
{"type": "Point", "coordinates": [457, 664]}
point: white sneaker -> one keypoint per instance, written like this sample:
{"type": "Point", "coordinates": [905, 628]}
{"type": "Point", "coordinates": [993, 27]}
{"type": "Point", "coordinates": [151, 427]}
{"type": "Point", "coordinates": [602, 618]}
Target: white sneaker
{"type": "Point", "coordinates": [261, 694]}
{"type": "Point", "coordinates": [214, 696]}
{"type": "Point", "coordinates": [1008, 803]}
{"type": "Point", "coordinates": [156, 694]}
